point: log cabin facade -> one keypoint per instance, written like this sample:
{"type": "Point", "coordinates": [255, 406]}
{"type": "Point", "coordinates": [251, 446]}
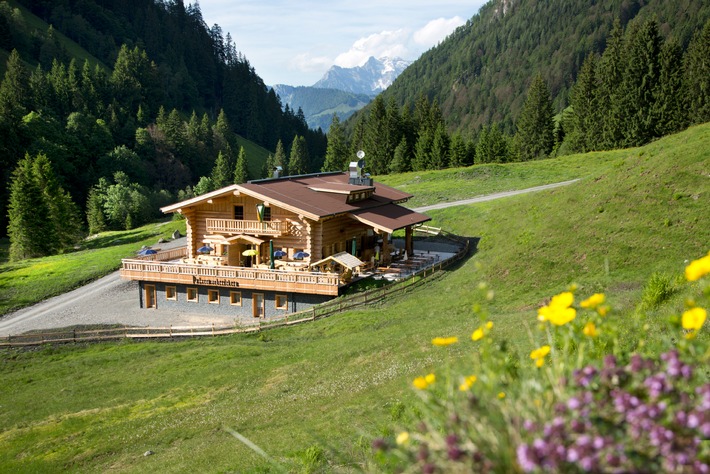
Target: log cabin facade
{"type": "Point", "coordinates": [275, 246]}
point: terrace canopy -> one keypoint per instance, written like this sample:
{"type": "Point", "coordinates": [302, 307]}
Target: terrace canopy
{"type": "Point", "coordinates": [343, 258]}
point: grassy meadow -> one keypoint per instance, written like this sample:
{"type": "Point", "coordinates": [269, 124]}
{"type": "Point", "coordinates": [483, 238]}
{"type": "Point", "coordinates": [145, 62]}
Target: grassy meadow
{"type": "Point", "coordinates": [314, 396]}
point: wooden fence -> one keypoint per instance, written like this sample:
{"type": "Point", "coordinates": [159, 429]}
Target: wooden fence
{"type": "Point", "coordinates": [321, 311]}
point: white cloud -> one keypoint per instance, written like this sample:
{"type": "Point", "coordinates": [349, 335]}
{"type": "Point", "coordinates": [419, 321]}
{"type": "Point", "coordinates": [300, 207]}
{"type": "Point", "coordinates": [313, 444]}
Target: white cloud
{"type": "Point", "coordinates": [436, 30]}
{"type": "Point", "coordinates": [386, 43]}
{"type": "Point", "coordinates": [307, 63]}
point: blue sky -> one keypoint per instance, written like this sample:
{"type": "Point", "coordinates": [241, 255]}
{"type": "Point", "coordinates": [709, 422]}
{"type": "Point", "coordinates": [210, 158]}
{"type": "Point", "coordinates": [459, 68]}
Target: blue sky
{"type": "Point", "coordinates": [295, 42]}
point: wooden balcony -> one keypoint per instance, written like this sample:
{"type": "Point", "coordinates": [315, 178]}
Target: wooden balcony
{"type": "Point", "coordinates": [232, 226]}
{"type": "Point", "coordinates": [231, 277]}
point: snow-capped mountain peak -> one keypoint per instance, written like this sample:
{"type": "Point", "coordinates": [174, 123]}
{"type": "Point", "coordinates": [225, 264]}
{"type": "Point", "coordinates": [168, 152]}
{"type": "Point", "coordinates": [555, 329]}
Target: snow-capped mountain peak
{"type": "Point", "coordinates": [371, 78]}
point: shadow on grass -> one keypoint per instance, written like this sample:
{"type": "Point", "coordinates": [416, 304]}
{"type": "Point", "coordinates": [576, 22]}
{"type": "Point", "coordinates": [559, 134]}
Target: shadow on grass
{"type": "Point", "coordinates": [123, 238]}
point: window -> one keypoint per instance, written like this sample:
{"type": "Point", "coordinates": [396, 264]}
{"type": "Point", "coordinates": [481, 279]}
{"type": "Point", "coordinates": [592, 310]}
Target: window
{"type": "Point", "coordinates": [238, 213]}
{"type": "Point", "coordinates": [235, 298]}
{"type": "Point", "coordinates": [170, 293]}
{"type": "Point", "coordinates": [281, 302]}
{"type": "Point", "coordinates": [213, 296]}
{"type": "Point", "coordinates": [192, 294]}
{"type": "Point", "coordinates": [267, 214]}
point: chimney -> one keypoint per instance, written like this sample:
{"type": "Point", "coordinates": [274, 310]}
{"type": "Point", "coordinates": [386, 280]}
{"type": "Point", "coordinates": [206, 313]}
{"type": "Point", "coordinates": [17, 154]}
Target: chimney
{"type": "Point", "coordinates": [277, 172]}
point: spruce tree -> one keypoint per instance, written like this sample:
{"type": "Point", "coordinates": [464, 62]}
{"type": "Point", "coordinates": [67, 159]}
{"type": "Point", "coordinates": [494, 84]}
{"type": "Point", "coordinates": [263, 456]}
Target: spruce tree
{"type": "Point", "coordinates": [492, 146]}
{"type": "Point", "coordinates": [439, 149]}
{"type": "Point", "coordinates": [298, 162]}
{"type": "Point", "coordinates": [458, 152]}
{"type": "Point", "coordinates": [280, 158]}
{"type": "Point", "coordinates": [697, 76]}
{"type": "Point", "coordinates": [222, 172]}
{"type": "Point", "coordinates": [401, 162]}
{"type": "Point", "coordinates": [670, 98]}
{"type": "Point", "coordinates": [640, 80]}
{"type": "Point", "coordinates": [63, 217]}
{"type": "Point", "coordinates": [422, 151]}
{"type": "Point", "coordinates": [375, 138]}
{"type": "Point", "coordinates": [241, 171]}
{"type": "Point", "coordinates": [31, 234]}
{"type": "Point", "coordinates": [535, 135]}
{"type": "Point", "coordinates": [337, 152]}
{"type": "Point", "coordinates": [586, 120]}
{"type": "Point", "coordinates": [611, 72]}
{"type": "Point", "coordinates": [95, 212]}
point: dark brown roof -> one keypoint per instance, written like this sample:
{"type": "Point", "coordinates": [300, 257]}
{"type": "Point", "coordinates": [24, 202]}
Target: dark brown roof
{"type": "Point", "coordinates": [321, 195]}
{"type": "Point", "coordinates": [295, 193]}
{"type": "Point", "coordinates": [389, 217]}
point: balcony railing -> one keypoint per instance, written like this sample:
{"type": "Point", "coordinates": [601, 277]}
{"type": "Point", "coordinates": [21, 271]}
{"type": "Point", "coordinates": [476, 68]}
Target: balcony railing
{"type": "Point", "coordinates": [232, 226]}
{"type": "Point", "coordinates": [232, 277]}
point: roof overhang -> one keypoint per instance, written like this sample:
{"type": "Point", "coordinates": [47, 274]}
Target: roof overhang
{"type": "Point", "coordinates": [389, 217]}
{"type": "Point", "coordinates": [220, 239]}
{"type": "Point", "coordinates": [343, 258]}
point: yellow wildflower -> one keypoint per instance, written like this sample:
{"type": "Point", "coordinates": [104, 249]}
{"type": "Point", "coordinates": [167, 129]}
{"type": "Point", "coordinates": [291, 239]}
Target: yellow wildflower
{"type": "Point", "coordinates": [694, 318]}
{"type": "Point", "coordinates": [538, 355]}
{"type": "Point", "coordinates": [593, 301]}
{"type": "Point", "coordinates": [467, 383]}
{"type": "Point", "coordinates": [430, 378]}
{"type": "Point", "coordinates": [444, 341]}
{"type": "Point", "coordinates": [698, 268]}
{"type": "Point", "coordinates": [420, 383]}
{"type": "Point", "coordinates": [590, 329]}
{"type": "Point", "coordinates": [501, 395]}
{"type": "Point", "coordinates": [558, 312]}
{"type": "Point", "coordinates": [602, 310]}
{"type": "Point", "coordinates": [402, 438]}
{"type": "Point", "coordinates": [489, 325]}
{"type": "Point", "coordinates": [477, 334]}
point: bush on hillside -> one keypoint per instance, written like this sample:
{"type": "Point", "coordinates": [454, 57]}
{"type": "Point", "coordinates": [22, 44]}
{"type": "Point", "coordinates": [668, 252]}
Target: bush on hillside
{"type": "Point", "coordinates": [585, 399]}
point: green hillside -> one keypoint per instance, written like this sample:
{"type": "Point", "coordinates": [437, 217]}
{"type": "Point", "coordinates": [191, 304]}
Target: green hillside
{"type": "Point", "coordinates": [480, 73]}
{"type": "Point", "coordinates": [313, 397]}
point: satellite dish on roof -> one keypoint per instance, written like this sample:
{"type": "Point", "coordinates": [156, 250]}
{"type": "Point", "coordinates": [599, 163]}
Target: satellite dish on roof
{"type": "Point", "coordinates": [361, 154]}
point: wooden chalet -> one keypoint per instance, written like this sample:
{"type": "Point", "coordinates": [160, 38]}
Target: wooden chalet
{"type": "Point", "coordinates": [272, 246]}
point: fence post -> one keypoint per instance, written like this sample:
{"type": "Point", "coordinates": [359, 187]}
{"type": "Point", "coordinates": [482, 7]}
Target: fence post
{"type": "Point", "coordinates": [314, 314]}
{"type": "Point", "coordinates": [73, 335]}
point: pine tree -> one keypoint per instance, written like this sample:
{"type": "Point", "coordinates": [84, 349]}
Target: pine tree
{"type": "Point", "coordinates": [14, 93]}
{"type": "Point", "coordinates": [337, 151]}
{"type": "Point", "coordinates": [95, 212]}
{"type": "Point", "coordinates": [492, 146]}
{"type": "Point", "coordinates": [63, 217]}
{"type": "Point", "coordinates": [640, 80]}
{"type": "Point", "coordinates": [586, 116]}
{"type": "Point", "coordinates": [401, 162]}
{"type": "Point", "coordinates": [697, 75]}
{"type": "Point", "coordinates": [241, 172]}
{"type": "Point", "coordinates": [375, 138]}
{"type": "Point", "coordinates": [458, 152]}
{"type": "Point", "coordinates": [28, 213]}
{"type": "Point", "coordinates": [670, 98]}
{"type": "Point", "coordinates": [298, 162]}
{"type": "Point", "coordinates": [280, 158]}
{"type": "Point", "coordinates": [439, 149]}
{"type": "Point", "coordinates": [422, 151]}
{"type": "Point", "coordinates": [611, 72]}
{"type": "Point", "coordinates": [222, 172]}
{"type": "Point", "coordinates": [535, 135]}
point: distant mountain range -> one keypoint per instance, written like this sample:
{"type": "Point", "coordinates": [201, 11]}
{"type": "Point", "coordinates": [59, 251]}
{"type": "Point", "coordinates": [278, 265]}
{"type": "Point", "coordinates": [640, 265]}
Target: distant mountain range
{"type": "Point", "coordinates": [341, 90]}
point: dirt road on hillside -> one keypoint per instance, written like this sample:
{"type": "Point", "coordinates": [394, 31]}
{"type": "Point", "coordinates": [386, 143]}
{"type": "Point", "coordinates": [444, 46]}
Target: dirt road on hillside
{"type": "Point", "coordinates": [111, 300]}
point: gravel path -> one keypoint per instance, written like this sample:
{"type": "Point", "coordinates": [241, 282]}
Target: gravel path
{"type": "Point", "coordinates": [111, 300]}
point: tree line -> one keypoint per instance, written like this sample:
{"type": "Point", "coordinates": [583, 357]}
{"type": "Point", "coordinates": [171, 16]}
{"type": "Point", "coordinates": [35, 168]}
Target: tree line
{"type": "Point", "coordinates": [642, 87]}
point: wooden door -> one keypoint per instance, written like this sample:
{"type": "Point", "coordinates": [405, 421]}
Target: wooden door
{"type": "Point", "coordinates": [150, 300]}
{"type": "Point", "coordinates": [258, 309]}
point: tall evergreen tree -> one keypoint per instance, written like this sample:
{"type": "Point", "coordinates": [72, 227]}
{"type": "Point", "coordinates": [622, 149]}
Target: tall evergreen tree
{"type": "Point", "coordinates": [241, 171]}
{"type": "Point", "coordinates": [30, 236]}
{"type": "Point", "coordinates": [535, 135]}
{"type": "Point", "coordinates": [586, 119]}
{"type": "Point", "coordinates": [458, 152]}
{"type": "Point", "coordinates": [611, 72]}
{"type": "Point", "coordinates": [697, 75]}
{"type": "Point", "coordinates": [422, 151]}
{"type": "Point", "coordinates": [401, 162]}
{"type": "Point", "coordinates": [640, 80]}
{"type": "Point", "coordinates": [298, 162]}
{"type": "Point", "coordinates": [670, 97]}
{"type": "Point", "coordinates": [336, 154]}
{"type": "Point", "coordinates": [222, 172]}
{"type": "Point", "coordinates": [492, 146]}
{"type": "Point", "coordinates": [439, 149]}
{"type": "Point", "coordinates": [375, 138]}
{"type": "Point", "coordinates": [280, 158]}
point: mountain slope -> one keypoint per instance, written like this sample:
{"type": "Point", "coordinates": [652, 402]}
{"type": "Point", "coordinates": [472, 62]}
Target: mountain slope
{"type": "Point", "coordinates": [319, 104]}
{"type": "Point", "coordinates": [481, 72]}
